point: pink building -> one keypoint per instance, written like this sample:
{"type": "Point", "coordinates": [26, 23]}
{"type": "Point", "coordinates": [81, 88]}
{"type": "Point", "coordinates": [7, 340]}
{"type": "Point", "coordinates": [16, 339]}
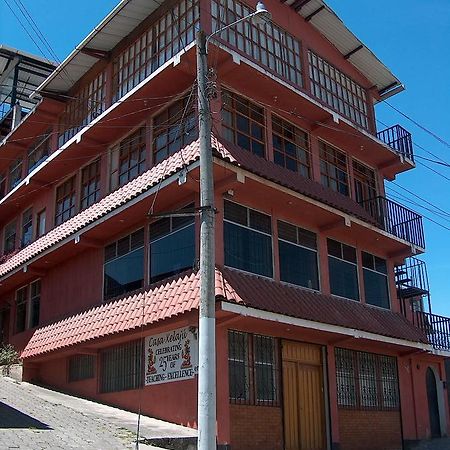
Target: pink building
{"type": "Point", "coordinates": [323, 340]}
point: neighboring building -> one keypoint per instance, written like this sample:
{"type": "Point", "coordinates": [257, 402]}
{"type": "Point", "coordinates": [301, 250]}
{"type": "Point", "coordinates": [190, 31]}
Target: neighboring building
{"type": "Point", "coordinates": [319, 344]}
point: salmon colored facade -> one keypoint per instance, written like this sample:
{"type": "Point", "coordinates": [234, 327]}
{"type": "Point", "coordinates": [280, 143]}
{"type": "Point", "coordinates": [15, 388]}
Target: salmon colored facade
{"type": "Point", "coordinates": [323, 341]}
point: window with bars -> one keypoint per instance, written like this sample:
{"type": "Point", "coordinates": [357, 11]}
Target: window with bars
{"type": "Point", "coordinates": [128, 159]}
{"type": "Point", "coordinates": [166, 37]}
{"type": "Point", "coordinates": [121, 367]}
{"type": "Point", "coordinates": [90, 184]}
{"type": "Point", "coordinates": [124, 265]}
{"type": "Point", "coordinates": [65, 201]}
{"type": "Point", "coordinates": [243, 123]}
{"type": "Point", "coordinates": [297, 249]}
{"type": "Point", "coordinates": [365, 182]}
{"type": "Point", "coordinates": [268, 44]}
{"type": "Point", "coordinates": [366, 380]}
{"type": "Point", "coordinates": [290, 147]}
{"type": "Point", "coordinates": [174, 128]}
{"type": "Point", "coordinates": [172, 246]}
{"type": "Point", "coordinates": [81, 367]}
{"type": "Point", "coordinates": [27, 227]}
{"type": "Point", "coordinates": [247, 239]}
{"type": "Point", "coordinates": [85, 105]}
{"type": "Point", "coordinates": [343, 269]}
{"type": "Point", "coordinates": [333, 168]}
{"type": "Point", "coordinates": [338, 90]}
{"type": "Point", "coordinates": [376, 285]}
{"type": "Point", "coordinates": [39, 152]}
{"type": "Point", "coordinates": [9, 237]}
{"type": "Point", "coordinates": [15, 173]}
{"type": "Point", "coordinates": [253, 369]}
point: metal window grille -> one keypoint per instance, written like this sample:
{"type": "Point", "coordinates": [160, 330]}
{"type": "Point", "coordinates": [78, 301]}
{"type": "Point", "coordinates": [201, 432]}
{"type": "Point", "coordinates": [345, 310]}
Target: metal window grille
{"type": "Point", "coordinates": [121, 367]}
{"type": "Point", "coordinates": [81, 367]}
{"type": "Point", "coordinates": [366, 380]}
{"type": "Point", "coordinates": [268, 44]}
{"type": "Point", "coordinates": [338, 90]}
{"type": "Point", "coordinates": [166, 37]}
{"type": "Point", "coordinates": [253, 369]}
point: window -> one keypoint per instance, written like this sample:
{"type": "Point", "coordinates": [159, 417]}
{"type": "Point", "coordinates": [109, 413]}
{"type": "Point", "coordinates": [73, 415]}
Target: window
{"type": "Point", "coordinates": [81, 367]}
{"type": "Point", "coordinates": [124, 265]}
{"type": "Point", "coordinates": [366, 380]}
{"type": "Point", "coordinates": [164, 39]}
{"type": "Point", "coordinates": [9, 242]}
{"type": "Point", "coordinates": [39, 152]}
{"type": "Point", "coordinates": [15, 173]}
{"type": "Point", "coordinates": [298, 256]}
{"type": "Point", "coordinates": [40, 223]}
{"type": "Point", "coordinates": [269, 44]}
{"type": "Point", "coordinates": [172, 247]}
{"type": "Point", "coordinates": [87, 104]}
{"type": "Point", "coordinates": [343, 270]}
{"type": "Point", "coordinates": [333, 169]}
{"type": "Point", "coordinates": [375, 280]}
{"type": "Point", "coordinates": [175, 127]}
{"type": "Point", "coordinates": [128, 159]}
{"type": "Point", "coordinates": [247, 239]}
{"type": "Point", "coordinates": [65, 201]}
{"type": "Point", "coordinates": [2, 185]}
{"type": "Point", "coordinates": [27, 227]}
{"type": "Point", "coordinates": [290, 147]}
{"type": "Point", "coordinates": [21, 309]}
{"type": "Point", "coordinates": [338, 90]}
{"type": "Point", "coordinates": [365, 183]}
{"type": "Point", "coordinates": [243, 123]}
{"type": "Point", "coordinates": [28, 301]}
{"type": "Point", "coordinates": [90, 184]}
{"type": "Point", "coordinates": [253, 369]}
{"type": "Point", "coordinates": [121, 367]}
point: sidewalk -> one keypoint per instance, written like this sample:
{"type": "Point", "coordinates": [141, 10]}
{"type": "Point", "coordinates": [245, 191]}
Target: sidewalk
{"type": "Point", "coordinates": [35, 418]}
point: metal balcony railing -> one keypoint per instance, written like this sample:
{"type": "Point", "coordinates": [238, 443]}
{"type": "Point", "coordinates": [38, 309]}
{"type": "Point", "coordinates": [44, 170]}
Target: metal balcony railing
{"type": "Point", "coordinates": [436, 328]}
{"type": "Point", "coordinates": [396, 219]}
{"type": "Point", "coordinates": [399, 140]}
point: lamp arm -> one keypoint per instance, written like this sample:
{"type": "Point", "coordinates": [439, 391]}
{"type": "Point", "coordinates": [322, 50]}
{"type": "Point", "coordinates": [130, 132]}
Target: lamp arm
{"type": "Point", "coordinates": [231, 25]}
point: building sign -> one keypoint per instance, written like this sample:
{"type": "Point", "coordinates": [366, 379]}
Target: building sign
{"type": "Point", "coordinates": [171, 356]}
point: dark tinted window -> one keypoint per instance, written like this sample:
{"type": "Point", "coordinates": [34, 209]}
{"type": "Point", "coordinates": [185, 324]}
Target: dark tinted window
{"type": "Point", "coordinates": [375, 280]}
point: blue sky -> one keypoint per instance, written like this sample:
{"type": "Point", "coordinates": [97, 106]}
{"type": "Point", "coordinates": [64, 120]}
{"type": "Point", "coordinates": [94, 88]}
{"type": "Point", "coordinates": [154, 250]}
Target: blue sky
{"type": "Point", "coordinates": [411, 37]}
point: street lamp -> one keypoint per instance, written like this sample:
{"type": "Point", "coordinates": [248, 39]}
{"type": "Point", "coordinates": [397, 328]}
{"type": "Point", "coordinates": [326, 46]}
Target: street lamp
{"type": "Point", "coordinates": [207, 314]}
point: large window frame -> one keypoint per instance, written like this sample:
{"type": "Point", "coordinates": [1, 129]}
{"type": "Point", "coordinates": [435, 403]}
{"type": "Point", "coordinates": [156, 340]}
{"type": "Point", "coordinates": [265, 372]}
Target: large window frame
{"type": "Point", "coordinates": [65, 204]}
{"type": "Point", "coordinates": [244, 123]}
{"type": "Point", "coordinates": [366, 381]}
{"type": "Point", "coordinates": [334, 169]}
{"type": "Point", "coordinates": [90, 184]}
{"type": "Point", "coordinates": [15, 173]}
{"type": "Point", "coordinates": [10, 237]}
{"type": "Point", "coordinates": [364, 181]}
{"type": "Point", "coordinates": [28, 301]}
{"type": "Point", "coordinates": [253, 370]}
{"type": "Point", "coordinates": [303, 241]}
{"type": "Point", "coordinates": [27, 227]}
{"type": "Point", "coordinates": [39, 151]}
{"type": "Point", "coordinates": [252, 221]}
{"type": "Point", "coordinates": [375, 271]}
{"type": "Point", "coordinates": [343, 257]}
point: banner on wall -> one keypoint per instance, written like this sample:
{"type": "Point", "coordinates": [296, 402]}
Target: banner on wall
{"type": "Point", "coordinates": [171, 356]}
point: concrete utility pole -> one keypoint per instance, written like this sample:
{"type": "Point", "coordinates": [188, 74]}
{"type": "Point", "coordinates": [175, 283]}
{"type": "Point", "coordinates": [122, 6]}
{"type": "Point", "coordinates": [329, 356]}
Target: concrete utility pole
{"type": "Point", "coordinates": [207, 307]}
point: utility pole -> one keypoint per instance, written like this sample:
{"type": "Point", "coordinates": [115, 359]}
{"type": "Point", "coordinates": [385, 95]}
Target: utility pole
{"type": "Point", "coordinates": [207, 307]}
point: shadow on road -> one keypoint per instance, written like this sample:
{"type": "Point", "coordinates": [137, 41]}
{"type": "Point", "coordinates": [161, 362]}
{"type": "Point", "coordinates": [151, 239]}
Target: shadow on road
{"type": "Point", "coordinates": [13, 418]}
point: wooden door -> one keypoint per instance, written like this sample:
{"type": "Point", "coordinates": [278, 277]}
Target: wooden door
{"type": "Point", "coordinates": [433, 406]}
{"type": "Point", "coordinates": [303, 397]}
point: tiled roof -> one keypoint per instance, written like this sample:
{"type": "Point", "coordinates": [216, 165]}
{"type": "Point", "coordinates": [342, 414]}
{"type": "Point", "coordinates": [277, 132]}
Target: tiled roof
{"type": "Point", "coordinates": [301, 303]}
{"type": "Point", "coordinates": [180, 294]}
{"type": "Point", "coordinates": [166, 168]}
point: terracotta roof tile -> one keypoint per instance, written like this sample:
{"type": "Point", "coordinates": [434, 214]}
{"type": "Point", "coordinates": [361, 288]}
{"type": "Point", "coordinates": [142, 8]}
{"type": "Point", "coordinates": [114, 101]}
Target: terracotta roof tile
{"type": "Point", "coordinates": [163, 302]}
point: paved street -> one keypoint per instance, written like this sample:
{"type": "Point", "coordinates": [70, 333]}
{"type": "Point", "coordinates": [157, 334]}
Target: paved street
{"type": "Point", "coordinates": [34, 418]}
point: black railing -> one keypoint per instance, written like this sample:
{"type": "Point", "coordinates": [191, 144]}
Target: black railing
{"type": "Point", "coordinates": [399, 140]}
{"type": "Point", "coordinates": [436, 328]}
{"type": "Point", "coordinates": [396, 219]}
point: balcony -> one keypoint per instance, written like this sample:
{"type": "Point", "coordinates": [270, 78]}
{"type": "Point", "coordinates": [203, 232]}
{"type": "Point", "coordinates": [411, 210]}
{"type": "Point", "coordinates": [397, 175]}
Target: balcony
{"type": "Point", "coordinates": [399, 140]}
{"type": "Point", "coordinates": [436, 328]}
{"type": "Point", "coordinates": [396, 219]}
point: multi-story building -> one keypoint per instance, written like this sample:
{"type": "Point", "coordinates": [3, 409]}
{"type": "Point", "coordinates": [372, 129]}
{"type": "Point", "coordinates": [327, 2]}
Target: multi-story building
{"type": "Point", "coordinates": [322, 337]}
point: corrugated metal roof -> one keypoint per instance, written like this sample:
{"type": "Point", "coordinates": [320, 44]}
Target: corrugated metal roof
{"type": "Point", "coordinates": [128, 14]}
{"type": "Point", "coordinates": [123, 19]}
{"type": "Point", "coordinates": [333, 28]}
